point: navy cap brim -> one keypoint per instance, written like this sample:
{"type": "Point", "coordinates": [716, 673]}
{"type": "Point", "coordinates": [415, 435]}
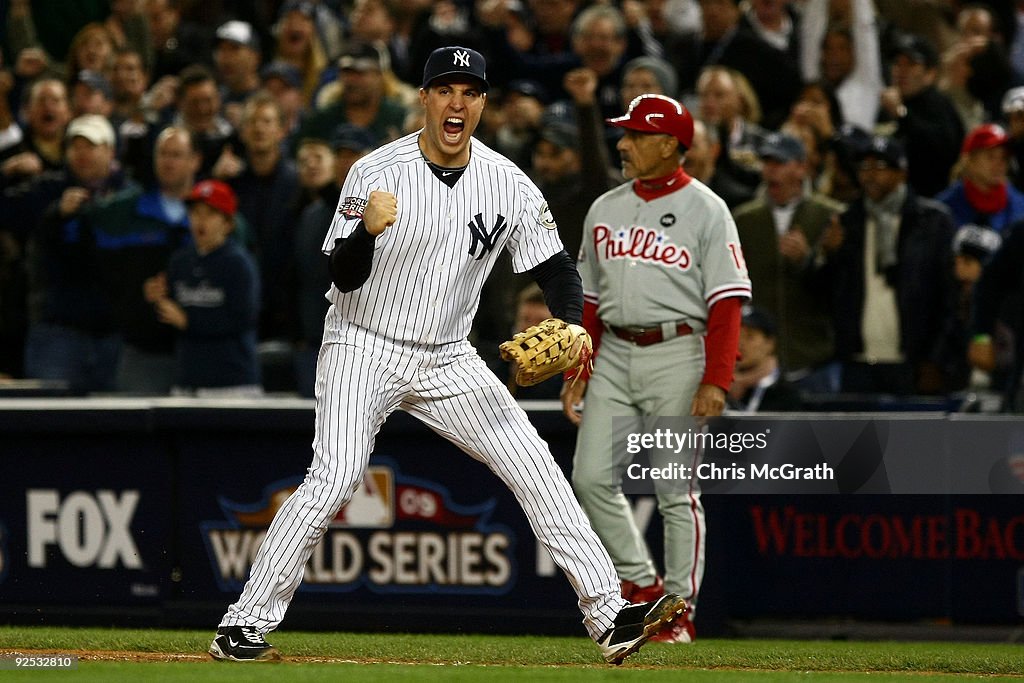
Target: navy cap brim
{"type": "Point", "coordinates": [484, 85]}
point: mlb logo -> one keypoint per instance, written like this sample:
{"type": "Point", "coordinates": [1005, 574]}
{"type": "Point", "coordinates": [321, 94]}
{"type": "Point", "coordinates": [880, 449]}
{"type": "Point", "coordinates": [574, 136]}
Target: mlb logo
{"type": "Point", "coordinates": [372, 505]}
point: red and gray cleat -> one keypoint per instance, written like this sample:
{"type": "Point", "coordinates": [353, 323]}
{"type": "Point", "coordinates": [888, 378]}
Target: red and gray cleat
{"type": "Point", "coordinates": [636, 624]}
{"type": "Point", "coordinates": [636, 594]}
{"type": "Point", "coordinates": [682, 631]}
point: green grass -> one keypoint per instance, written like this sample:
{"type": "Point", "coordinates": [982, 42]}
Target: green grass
{"type": "Point", "coordinates": [372, 657]}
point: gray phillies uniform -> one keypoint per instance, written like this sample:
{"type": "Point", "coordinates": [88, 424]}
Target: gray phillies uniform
{"type": "Point", "coordinates": [646, 263]}
{"type": "Point", "coordinates": [399, 342]}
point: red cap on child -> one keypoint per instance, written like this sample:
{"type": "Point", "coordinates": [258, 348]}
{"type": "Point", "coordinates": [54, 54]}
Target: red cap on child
{"type": "Point", "coordinates": [215, 194]}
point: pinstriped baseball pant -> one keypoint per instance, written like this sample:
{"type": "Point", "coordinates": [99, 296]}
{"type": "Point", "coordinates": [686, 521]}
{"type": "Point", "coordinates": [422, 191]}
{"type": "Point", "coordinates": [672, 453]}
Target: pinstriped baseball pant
{"type": "Point", "coordinates": [632, 381]}
{"type": "Point", "coordinates": [360, 381]}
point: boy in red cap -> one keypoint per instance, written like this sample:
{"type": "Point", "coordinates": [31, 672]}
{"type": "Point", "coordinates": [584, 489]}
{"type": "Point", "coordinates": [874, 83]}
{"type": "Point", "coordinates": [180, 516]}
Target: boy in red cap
{"type": "Point", "coordinates": [983, 194]}
{"type": "Point", "coordinates": [210, 294]}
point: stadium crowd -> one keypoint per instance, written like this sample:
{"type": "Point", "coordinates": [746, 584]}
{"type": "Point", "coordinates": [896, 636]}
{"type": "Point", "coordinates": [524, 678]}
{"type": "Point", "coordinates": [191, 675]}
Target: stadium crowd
{"type": "Point", "coordinates": [871, 151]}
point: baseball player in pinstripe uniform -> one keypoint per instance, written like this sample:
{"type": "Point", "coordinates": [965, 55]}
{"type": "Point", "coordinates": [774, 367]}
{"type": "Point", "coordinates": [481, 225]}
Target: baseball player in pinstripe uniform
{"type": "Point", "coordinates": [419, 225]}
{"type": "Point", "coordinates": [663, 276]}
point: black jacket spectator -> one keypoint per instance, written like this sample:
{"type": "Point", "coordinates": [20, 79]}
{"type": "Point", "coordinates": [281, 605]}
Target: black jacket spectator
{"type": "Point", "coordinates": [932, 132]}
{"type": "Point", "coordinates": [922, 278]}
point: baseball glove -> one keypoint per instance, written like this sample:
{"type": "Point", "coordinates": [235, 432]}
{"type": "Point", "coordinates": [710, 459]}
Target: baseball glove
{"type": "Point", "coordinates": [547, 349]}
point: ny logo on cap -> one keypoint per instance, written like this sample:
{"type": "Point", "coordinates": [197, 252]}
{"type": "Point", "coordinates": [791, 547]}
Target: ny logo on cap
{"type": "Point", "coordinates": [461, 58]}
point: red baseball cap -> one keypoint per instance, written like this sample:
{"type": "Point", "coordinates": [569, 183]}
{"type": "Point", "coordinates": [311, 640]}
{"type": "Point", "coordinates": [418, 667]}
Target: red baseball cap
{"type": "Point", "coordinates": [985, 136]}
{"type": "Point", "coordinates": [657, 114]}
{"type": "Point", "coordinates": [215, 194]}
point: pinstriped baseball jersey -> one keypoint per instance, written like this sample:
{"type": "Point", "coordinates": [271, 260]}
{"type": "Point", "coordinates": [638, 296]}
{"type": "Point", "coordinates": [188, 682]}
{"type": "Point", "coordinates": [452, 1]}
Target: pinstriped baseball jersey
{"type": "Point", "coordinates": [668, 259]}
{"type": "Point", "coordinates": [430, 265]}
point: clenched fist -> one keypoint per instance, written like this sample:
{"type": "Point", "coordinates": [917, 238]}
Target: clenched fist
{"type": "Point", "coordinates": [381, 212]}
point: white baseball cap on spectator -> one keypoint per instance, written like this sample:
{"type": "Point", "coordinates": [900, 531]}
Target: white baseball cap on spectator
{"type": "Point", "coordinates": [1013, 100]}
{"type": "Point", "coordinates": [93, 127]}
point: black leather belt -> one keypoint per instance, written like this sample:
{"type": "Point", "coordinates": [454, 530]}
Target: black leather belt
{"type": "Point", "coordinates": [645, 336]}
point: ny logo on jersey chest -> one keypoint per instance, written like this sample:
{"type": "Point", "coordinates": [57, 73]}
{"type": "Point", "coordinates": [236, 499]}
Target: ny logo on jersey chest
{"type": "Point", "coordinates": [482, 238]}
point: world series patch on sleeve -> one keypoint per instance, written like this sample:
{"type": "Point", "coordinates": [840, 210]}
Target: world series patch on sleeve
{"type": "Point", "coordinates": [352, 207]}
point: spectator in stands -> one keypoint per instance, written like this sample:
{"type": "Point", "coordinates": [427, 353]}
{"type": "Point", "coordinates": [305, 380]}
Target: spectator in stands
{"type": "Point", "coordinates": [315, 164]}
{"type": "Point", "coordinates": [570, 175]}
{"type": "Point", "coordinates": [129, 82]}
{"type": "Point", "coordinates": [758, 384]}
{"type": "Point", "coordinates": [975, 69]}
{"type": "Point", "coordinates": [891, 269]}
{"type": "Point", "coordinates": [642, 75]}
{"type": "Point", "coordinates": [973, 248]}
{"type": "Point", "coordinates": [363, 101]}
{"type": "Point", "coordinates": [775, 23]}
{"type": "Point", "coordinates": [349, 144]}
{"type": "Point", "coordinates": [840, 46]}
{"type": "Point", "coordinates": [772, 76]}
{"type": "Point", "coordinates": [135, 117]}
{"type": "Point", "coordinates": [599, 41]}
{"type": "Point", "coordinates": [841, 160]}
{"type": "Point", "coordinates": [266, 184]}
{"type": "Point", "coordinates": [91, 93]}
{"type": "Point", "coordinates": [999, 289]}
{"type": "Point", "coordinates": [284, 82]}
{"type": "Point", "coordinates": [135, 233]}
{"type": "Point", "coordinates": [299, 45]}
{"type": "Point", "coordinates": [983, 194]}
{"type": "Point", "coordinates": [41, 145]}
{"type": "Point", "coordinates": [210, 296]}
{"type": "Point", "coordinates": [71, 335]}
{"type": "Point", "coordinates": [519, 121]}
{"type": "Point", "coordinates": [48, 33]}
{"type": "Point", "coordinates": [198, 100]}
{"type": "Point", "coordinates": [729, 106]}
{"type": "Point", "coordinates": [129, 30]}
{"type": "Point", "coordinates": [92, 49]}
{"type": "Point", "coordinates": [926, 120]}
{"type": "Point", "coordinates": [176, 43]}
{"type": "Point", "coordinates": [537, 44]}
{"type": "Point", "coordinates": [237, 59]}
{"type": "Point", "coordinates": [817, 108]}
{"type": "Point", "coordinates": [701, 159]}
{"type": "Point", "coordinates": [782, 233]}
{"type": "Point", "coordinates": [931, 20]}
{"type": "Point", "coordinates": [660, 27]}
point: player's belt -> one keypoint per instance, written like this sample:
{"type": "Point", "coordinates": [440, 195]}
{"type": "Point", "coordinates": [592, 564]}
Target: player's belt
{"type": "Point", "coordinates": [645, 336]}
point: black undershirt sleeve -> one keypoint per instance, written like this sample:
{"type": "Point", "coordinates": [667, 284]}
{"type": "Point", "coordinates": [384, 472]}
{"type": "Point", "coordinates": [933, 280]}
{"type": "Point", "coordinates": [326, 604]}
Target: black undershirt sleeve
{"type": "Point", "coordinates": [351, 258]}
{"type": "Point", "coordinates": [562, 287]}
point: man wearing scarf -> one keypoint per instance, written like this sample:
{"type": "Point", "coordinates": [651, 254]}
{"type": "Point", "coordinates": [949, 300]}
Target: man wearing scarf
{"type": "Point", "coordinates": [891, 274]}
{"type": "Point", "coordinates": [983, 195]}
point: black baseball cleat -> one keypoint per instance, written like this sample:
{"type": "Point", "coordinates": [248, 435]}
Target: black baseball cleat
{"type": "Point", "coordinates": [635, 624]}
{"type": "Point", "coordinates": [242, 644]}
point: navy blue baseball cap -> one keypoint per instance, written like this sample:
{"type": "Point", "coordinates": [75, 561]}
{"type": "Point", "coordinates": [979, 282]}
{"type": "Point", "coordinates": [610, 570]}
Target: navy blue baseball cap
{"type": "Point", "coordinates": [889, 150]}
{"type": "Point", "coordinates": [782, 147]}
{"type": "Point", "coordinates": [759, 319]}
{"type": "Point", "coordinates": [289, 74]}
{"type": "Point", "coordinates": [355, 138]}
{"type": "Point", "coordinates": [455, 60]}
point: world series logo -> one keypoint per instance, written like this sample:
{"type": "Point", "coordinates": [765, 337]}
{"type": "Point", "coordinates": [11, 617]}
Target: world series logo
{"type": "Point", "coordinates": [396, 534]}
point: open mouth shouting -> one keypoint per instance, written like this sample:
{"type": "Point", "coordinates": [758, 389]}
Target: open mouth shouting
{"type": "Point", "coordinates": [452, 129]}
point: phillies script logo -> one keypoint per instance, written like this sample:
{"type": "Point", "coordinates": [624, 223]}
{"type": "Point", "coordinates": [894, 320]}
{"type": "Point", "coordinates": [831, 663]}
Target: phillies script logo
{"type": "Point", "coordinates": [396, 534]}
{"type": "Point", "coordinates": [964, 534]}
{"type": "Point", "coordinates": [640, 244]}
